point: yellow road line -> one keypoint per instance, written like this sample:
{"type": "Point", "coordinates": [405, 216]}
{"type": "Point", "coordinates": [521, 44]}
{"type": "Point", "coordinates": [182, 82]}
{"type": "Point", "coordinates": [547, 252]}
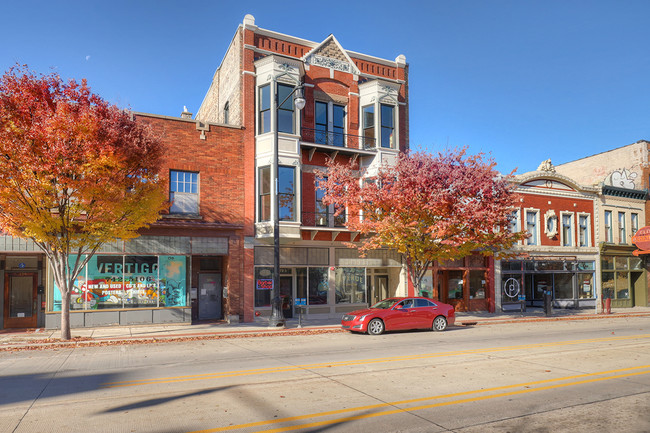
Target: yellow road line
{"type": "Point", "coordinates": [271, 370]}
{"type": "Point", "coordinates": [587, 378]}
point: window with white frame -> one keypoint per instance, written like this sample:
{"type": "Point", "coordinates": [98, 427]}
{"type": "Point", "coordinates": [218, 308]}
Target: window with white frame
{"type": "Point", "coordinates": [621, 228]}
{"type": "Point", "coordinates": [368, 115]}
{"type": "Point", "coordinates": [567, 229]}
{"type": "Point", "coordinates": [515, 226]}
{"type": "Point", "coordinates": [532, 226]}
{"type": "Point", "coordinates": [583, 230]}
{"type": "Point", "coordinates": [264, 109]}
{"type": "Point", "coordinates": [264, 193]}
{"type": "Point", "coordinates": [387, 126]}
{"type": "Point", "coordinates": [286, 111]}
{"type": "Point", "coordinates": [609, 231]}
{"type": "Point", "coordinates": [184, 192]}
{"type": "Point", "coordinates": [635, 223]}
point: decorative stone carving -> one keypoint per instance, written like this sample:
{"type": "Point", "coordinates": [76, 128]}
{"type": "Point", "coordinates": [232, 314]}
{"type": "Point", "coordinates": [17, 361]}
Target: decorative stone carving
{"type": "Point", "coordinates": [550, 223]}
{"type": "Point", "coordinates": [546, 166]}
{"type": "Point", "coordinates": [328, 62]}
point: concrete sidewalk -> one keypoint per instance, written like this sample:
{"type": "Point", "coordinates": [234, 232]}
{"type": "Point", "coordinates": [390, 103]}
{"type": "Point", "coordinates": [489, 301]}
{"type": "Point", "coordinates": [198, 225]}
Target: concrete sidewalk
{"type": "Point", "coordinates": [18, 339]}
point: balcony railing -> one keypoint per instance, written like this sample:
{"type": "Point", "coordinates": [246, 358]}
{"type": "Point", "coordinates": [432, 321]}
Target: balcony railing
{"type": "Point", "coordinates": [323, 219]}
{"type": "Point", "coordinates": [338, 139]}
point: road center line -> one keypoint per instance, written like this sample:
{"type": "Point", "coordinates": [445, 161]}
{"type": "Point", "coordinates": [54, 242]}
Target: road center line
{"type": "Point", "coordinates": [528, 388]}
{"type": "Point", "coordinates": [273, 370]}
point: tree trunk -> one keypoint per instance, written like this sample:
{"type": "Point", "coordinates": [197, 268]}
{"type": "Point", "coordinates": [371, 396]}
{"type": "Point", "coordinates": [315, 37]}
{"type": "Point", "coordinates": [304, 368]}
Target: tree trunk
{"type": "Point", "coordinates": [65, 314]}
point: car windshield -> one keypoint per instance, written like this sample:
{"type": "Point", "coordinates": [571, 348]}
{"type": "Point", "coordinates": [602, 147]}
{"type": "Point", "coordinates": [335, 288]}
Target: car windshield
{"type": "Point", "coordinates": [385, 304]}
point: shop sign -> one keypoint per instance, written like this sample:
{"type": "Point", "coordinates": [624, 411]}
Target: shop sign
{"type": "Point", "coordinates": [264, 284]}
{"type": "Point", "coordinates": [642, 240]}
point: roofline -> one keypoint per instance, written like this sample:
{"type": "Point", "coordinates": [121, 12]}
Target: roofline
{"type": "Point", "coordinates": [182, 119]}
{"type": "Point", "coordinates": [312, 45]}
{"type": "Point", "coordinates": [603, 152]}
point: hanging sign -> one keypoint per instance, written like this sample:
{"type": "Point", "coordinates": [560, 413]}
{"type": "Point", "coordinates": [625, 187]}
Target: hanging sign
{"type": "Point", "coordinates": [642, 241]}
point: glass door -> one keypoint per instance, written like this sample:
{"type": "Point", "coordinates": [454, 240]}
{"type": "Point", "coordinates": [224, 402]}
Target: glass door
{"type": "Point", "coordinates": [20, 300]}
{"type": "Point", "coordinates": [286, 295]}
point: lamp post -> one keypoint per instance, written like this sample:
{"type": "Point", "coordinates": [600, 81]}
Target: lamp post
{"type": "Point", "coordinates": [277, 317]}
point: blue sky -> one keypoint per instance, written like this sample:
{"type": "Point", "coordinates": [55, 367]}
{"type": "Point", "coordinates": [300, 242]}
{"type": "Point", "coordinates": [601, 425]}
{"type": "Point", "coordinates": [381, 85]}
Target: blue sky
{"type": "Point", "coordinates": [520, 80]}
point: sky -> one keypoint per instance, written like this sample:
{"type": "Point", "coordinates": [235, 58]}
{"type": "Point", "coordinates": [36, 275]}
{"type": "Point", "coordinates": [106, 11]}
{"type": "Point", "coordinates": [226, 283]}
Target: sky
{"type": "Point", "coordinates": [521, 81]}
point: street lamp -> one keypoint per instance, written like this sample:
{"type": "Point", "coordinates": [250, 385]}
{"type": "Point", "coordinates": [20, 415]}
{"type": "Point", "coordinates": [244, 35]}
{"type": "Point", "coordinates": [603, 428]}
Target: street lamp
{"type": "Point", "coordinates": [277, 317]}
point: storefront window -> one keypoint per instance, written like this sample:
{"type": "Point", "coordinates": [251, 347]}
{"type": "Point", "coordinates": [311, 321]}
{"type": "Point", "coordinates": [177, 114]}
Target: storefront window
{"type": "Point", "coordinates": [636, 263]}
{"type": "Point", "coordinates": [350, 285]}
{"type": "Point", "coordinates": [607, 262]}
{"type": "Point", "coordinates": [563, 286]}
{"type": "Point", "coordinates": [622, 285]}
{"type": "Point", "coordinates": [510, 288]}
{"type": "Point", "coordinates": [263, 286]}
{"type": "Point", "coordinates": [113, 281]}
{"type": "Point", "coordinates": [318, 286]}
{"type": "Point", "coordinates": [426, 285]}
{"type": "Point", "coordinates": [455, 285]}
{"type": "Point", "coordinates": [620, 263]}
{"type": "Point", "coordinates": [477, 285]}
{"type": "Point", "coordinates": [585, 286]}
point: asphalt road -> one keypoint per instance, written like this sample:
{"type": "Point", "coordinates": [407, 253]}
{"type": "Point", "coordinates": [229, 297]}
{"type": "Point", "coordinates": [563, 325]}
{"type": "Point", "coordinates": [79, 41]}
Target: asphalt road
{"type": "Point", "coordinates": [578, 376]}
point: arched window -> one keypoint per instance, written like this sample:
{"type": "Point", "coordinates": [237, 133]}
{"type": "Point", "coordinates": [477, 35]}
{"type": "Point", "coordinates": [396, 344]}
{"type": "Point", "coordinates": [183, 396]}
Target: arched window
{"type": "Point", "coordinates": [226, 113]}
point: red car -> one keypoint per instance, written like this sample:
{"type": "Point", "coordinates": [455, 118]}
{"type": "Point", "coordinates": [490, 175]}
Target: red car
{"type": "Point", "coordinates": [394, 314]}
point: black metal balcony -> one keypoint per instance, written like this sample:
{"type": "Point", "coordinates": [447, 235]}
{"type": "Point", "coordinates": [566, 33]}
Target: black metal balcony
{"type": "Point", "coordinates": [323, 219]}
{"type": "Point", "coordinates": [338, 139]}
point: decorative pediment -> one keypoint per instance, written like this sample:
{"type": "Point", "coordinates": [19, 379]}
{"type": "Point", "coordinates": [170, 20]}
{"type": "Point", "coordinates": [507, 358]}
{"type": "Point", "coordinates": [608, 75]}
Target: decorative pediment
{"type": "Point", "coordinates": [330, 54]}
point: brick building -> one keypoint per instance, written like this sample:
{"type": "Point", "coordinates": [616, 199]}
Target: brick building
{"type": "Point", "coordinates": [561, 254]}
{"type": "Point", "coordinates": [186, 266]}
{"type": "Point", "coordinates": [356, 109]}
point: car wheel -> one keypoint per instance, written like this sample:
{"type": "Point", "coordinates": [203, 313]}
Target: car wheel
{"type": "Point", "coordinates": [439, 323]}
{"type": "Point", "coordinates": [375, 327]}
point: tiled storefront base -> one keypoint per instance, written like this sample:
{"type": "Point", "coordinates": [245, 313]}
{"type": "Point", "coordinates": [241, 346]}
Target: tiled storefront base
{"type": "Point", "coordinates": [90, 319]}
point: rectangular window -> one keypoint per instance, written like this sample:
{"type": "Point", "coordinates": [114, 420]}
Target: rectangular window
{"type": "Point", "coordinates": [369, 126]}
{"type": "Point", "coordinates": [531, 226]}
{"type": "Point", "coordinates": [286, 118]}
{"type": "Point", "coordinates": [567, 230]}
{"type": "Point", "coordinates": [264, 202]}
{"type": "Point", "coordinates": [322, 211]}
{"type": "Point", "coordinates": [329, 124]}
{"type": "Point", "coordinates": [583, 228]}
{"type": "Point", "coordinates": [514, 221]}
{"type": "Point", "coordinates": [287, 193]}
{"type": "Point", "coordinates": [184, 192]}
{"type": "Point", "coordinates": [264, 109]}
{"type": "Point", "coordinates": [350, 285]}
{"type": "Point", "coordinates": [321, 121]}
{"type": "Point", "coordinates": [609, 235]}
{"type": "Point", "coordinates": [338, 125]}
{"type": "Point", "coordinates": [387, 126]}
{"type": "Point", "coordinates": [635, 223]}
{"type": "Point", "coordinates": [116, 281]}
{"type": "Point", "coordinates": [318, 286]}
{"type": "Point", "coordinates": [621, 228]}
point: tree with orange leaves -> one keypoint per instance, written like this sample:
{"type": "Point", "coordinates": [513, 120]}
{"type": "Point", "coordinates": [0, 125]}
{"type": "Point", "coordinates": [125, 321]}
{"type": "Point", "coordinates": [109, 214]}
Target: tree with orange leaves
{"type": "Point", "coordinates": [75, 172]}
{"type": "Point", "coordinates": [427, 207]}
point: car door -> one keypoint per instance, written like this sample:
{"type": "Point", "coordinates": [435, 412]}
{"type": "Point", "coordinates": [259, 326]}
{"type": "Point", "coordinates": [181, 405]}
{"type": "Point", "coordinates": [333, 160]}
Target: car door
{"type": "Point", "coordinates": [425, 312]}
{"type": "Point", "coordinates": [402, 315]}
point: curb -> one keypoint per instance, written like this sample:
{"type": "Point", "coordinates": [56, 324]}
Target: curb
{"type": "Point", "coordinates": [79, 342]}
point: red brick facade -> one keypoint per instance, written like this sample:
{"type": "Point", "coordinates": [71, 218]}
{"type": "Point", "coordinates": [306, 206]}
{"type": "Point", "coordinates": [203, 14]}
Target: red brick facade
{"type": "Point", "coordinates": [216, 153]}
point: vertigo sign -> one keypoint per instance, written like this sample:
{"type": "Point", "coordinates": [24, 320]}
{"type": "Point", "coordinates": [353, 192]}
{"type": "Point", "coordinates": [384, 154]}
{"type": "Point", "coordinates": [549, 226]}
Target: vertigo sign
{"type": "Point", "coordinates": [642, 241]}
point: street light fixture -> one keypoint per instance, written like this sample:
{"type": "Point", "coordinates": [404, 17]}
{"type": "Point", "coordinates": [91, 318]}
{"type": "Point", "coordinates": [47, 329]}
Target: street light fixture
{"type": "Point", "coordinates": [277, 317]}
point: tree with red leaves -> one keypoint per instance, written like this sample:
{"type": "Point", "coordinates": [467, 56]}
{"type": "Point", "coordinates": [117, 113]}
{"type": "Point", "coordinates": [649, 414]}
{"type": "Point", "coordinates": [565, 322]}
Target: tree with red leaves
{"type": "Point", "coordinates": [75, 172]}
{"type": "Point", "coordinates": [428, 208]}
